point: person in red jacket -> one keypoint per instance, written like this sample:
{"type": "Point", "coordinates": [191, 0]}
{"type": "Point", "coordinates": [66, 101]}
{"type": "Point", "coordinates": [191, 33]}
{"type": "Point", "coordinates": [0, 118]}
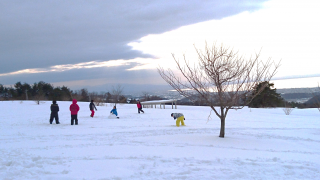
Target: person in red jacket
{"type": "Point", "coordinates": [74, 108]}
{"type": "Point", "coordinates": [139, 107]}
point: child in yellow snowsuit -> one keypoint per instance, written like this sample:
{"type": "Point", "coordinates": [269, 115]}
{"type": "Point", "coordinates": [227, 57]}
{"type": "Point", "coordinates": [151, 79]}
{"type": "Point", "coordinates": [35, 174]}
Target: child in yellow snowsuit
{"type": "Point", "coordinates": [179, 117]}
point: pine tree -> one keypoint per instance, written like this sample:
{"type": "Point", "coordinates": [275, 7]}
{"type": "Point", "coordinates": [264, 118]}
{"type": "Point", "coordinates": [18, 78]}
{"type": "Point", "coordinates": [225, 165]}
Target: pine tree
{"type": "Point", "coordinates": [267, 98]}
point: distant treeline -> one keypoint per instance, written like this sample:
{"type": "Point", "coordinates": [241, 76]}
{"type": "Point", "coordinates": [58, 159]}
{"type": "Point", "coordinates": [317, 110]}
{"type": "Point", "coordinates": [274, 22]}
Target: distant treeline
{"type": "Point", "coordinates": [39, 91]}
{"type": "Point", "coordinates": [45, 91]}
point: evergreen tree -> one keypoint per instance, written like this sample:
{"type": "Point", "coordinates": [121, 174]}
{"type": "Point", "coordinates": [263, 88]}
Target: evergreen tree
{"type": "Point", "coordinates": [1, 88]}
{"type": "Point", "coordinates": [37, 91]}
{"type": "Point", "coordinates": [267, 98]}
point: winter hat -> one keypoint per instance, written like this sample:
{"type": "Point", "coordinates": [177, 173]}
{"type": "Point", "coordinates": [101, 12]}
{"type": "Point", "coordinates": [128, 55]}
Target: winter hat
{"type": "Point", "coordinates": [54, 102]}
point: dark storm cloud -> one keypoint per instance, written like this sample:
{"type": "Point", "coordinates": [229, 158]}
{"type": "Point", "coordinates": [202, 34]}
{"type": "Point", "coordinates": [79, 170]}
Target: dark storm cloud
{"type": "Point", "coordinates": [40, 34]}
{"type": "Point", "coordinates": [43, 33]}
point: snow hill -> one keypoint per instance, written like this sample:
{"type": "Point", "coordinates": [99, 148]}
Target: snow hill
{"type": "Point", "coordinates": [259, 144]}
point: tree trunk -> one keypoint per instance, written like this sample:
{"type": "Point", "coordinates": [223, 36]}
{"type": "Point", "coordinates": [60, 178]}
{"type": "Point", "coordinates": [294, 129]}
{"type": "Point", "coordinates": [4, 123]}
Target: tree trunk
{"type": "Point", "coordinates": [223, 123]}
{"type": "Point", "coordinates": [222, 127]}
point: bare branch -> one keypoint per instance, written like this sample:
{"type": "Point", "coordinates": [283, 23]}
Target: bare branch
{"type": "Point", "coordinates": [116, 93]}
{"type": "Point", "coordinates": [221, 78]}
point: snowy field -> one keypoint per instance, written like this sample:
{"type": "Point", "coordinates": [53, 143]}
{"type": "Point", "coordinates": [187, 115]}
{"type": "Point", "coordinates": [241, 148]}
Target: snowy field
{"type": "Point", "coordinates": [259, 144]}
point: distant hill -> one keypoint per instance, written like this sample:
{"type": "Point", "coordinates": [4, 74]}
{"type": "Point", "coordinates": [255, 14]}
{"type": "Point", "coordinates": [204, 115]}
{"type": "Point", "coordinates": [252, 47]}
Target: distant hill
{"type": "Point", "coordinates": [298, 90]}
{"type": "Point", "coordinates": [314, 100]}
{"type": "Point", "coordinates": [301, 95]}
{"type": "Point", "coordinates": [296, 95]}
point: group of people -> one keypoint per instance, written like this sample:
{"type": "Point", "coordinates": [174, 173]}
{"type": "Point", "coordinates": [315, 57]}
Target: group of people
{"type": "Point", "coordinates": [74, 109]}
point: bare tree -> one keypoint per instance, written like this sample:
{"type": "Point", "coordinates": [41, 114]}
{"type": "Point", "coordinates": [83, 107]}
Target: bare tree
{"type": "Point", "coordinates": [116, 92]}
{"type": "Point", "coordinates": [99, 99]}
{"type": "Point", "coordinates": [221, 78]}
{"type": "Point", "coordinates": [66, 98]}
{"type": "Point", "coordinates": [39, 97]}
{"type": "Point", "coordinates": [80, 95]}
{"type": "Point", "coordinates": [145, 95]}
{"type": "Point", "coordinates": [287, 109]}
{"type": "Point", "coordinates": [75, 95]}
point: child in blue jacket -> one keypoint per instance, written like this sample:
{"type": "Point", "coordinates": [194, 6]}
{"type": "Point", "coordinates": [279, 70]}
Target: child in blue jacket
{"type": "Point", "coordinates": [114, 111]}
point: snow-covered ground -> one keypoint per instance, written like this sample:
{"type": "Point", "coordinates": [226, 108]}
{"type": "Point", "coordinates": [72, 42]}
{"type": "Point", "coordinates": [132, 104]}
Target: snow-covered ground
{"type": "Point", "coordinates": [259, 144]}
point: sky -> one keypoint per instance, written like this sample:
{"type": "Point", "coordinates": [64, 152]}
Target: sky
{"type": "Point", "coordinates": [99, 44]}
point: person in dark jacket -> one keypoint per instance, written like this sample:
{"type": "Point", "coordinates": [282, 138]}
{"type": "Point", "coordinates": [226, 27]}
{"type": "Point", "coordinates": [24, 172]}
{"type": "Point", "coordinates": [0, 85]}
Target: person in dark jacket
{"type": "Point", "coordinates": [139, 107]}
{"type": "Point", "coordinates": [92, 107]}
{"type": "Point", "coordinates": [74, 108]}
{"type": "Point", "coordinates": [54, 112]}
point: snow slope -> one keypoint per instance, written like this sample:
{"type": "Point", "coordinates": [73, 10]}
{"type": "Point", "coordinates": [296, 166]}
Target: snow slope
{"type": "Point", "coordinates": [259, 144]}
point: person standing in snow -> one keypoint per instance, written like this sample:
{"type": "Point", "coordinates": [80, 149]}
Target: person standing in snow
{"type": "Point", "coordinates": [114, 111]}
{"type": "Point", "coordinates": [139, 107]}
{"type": "Point", "coordinates": [74, 108]}
{"type": "Point", "coordinates": [92, 107]}
{"type": "Point", "coordinates": [54, 112]}
{"type": "Point", "coordinates": [179, 117]}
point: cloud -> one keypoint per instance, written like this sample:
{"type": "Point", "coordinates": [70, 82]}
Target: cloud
{"type": "Point", "coordinates": [141, 63]}
{"type": "Point", "coordinates": [282, 32]}
{"type": "Point", "coordinates": [46, 33]}
{"type": "Point", "coordinates": [38, 37]}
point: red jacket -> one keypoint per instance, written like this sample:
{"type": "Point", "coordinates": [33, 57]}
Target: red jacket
{"type": "Point", "coordinates": [139, 105]}
{"type": "Point", "coordinates": [74, 108]}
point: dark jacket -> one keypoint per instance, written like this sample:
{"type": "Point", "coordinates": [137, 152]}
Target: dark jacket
{"type": "Point", "coordinates": [92, 106]}
{"type": "Point", "coordinates": [54, 108]}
